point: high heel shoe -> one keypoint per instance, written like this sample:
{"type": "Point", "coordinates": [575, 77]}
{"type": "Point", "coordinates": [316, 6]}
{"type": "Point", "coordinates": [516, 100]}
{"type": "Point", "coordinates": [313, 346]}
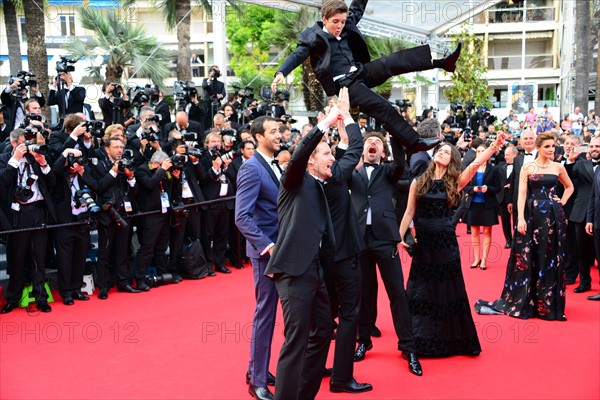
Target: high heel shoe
{"type": "Point", "coordinates": [482, 266]}
{"type": "Point", "coordinates": [476, 264]}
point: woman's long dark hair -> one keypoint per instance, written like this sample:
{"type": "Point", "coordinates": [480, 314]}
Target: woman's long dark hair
{"type": "Point", "coordinates": [450, 178]}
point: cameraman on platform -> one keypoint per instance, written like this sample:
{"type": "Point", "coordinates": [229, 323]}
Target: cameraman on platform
{"type": "Point", "coordinates": [73, 202]}
{"type": "Point", "coordinates": [73, 96]}
{"type": "Point", "coordinates": [214, 93]}
{"type": "Point", "coordinates": [14, 98]}
{"type": "Point", "coordinates": [155, 181]}
{"type": "Point", "coordinates": [116, 188]}
{"type": "Point", "coordinates": [26, 178]}
{"type": "Point", "coordinates": [216, 184]}
{"type": "Point", "coordinates": [114, 103]}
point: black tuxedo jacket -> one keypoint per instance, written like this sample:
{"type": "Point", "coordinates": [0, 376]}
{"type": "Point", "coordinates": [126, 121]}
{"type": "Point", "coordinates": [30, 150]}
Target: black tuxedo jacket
{"type": "Point", "coordinates": [593, 211]}
{"type": "Point", "coordinates": [515, 181]}
{"type": "Point", "coordinates": [107, 110]}
{"type": "Point", "coordinates": [211, 89]}
{"type": "Point", "coordinates": [582, 174]}
{"type": "Point", "coordinates": [492, 180]}
{"type": "Point", "coordinates": [377, 193]}
{"type": "Point", "coordinates": [110, 189]}
{"type": "Point", "coordinates": [149, 186]}
{"type": "Point", "coordinates": [304, 217]}
{"type": "Point", "coordinates": [348, 241]}
{"type": "Point", "coordinates": [8, 179]}
{"type": "Point", "coordinates": [192, 127]}
{"type": "Point", "coordinates": [60, 140]}
{"type": "Point", "coordinates": [76, 99]}
{"type": "Point", "coordinates": [418, 164]}
{"type": "Point", "coordinates": [11, 102]}
{"type": "Point", "coordinates": [163, 109]}
{"type": "Point", "coordinates": [468, 158]}
{"type": "Point", "coordinates": [503, 196]}
{"type": "Point", "coordinates": [314, 43]}
{"type": "Point", "coordinates": [211, 184]}
{"type": "Point", "coordinates": [194, 174]}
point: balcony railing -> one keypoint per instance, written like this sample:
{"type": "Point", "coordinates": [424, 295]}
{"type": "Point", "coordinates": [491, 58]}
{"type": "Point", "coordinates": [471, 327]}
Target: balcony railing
{"type": "Point", "coordinates": [502, 15]}
{"type": "Point", "coordinates": [514, 62]}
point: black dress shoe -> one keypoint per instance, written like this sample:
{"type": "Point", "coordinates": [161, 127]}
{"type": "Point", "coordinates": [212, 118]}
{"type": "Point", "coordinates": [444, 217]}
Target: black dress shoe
{"type": "Point", "coordinates": [270, 379]}
{"type": "Point", "coordinates": [77, 295]}
{"type": "Point", "coordinates": [143, 287]}
{"type": "Point", "coordinates": [68, 301]}
{"type": "Point", "coordinates": [507, 245]}
{"type": "Point", "coordinates": [570, 281]}
{"type": "Point", "coordinates": [223, 270]}
{"type": "Point", "coordinates": [414, 365]}
{"type": "Point", "coordinates": [449, 63]}
{"type": "Point", "coordinates": [8, 308]}
{"type": "Point", "coordinates": [361, 351]}
{"type": "Point", "coordinates": [424, 144]}
{"type": "Point", "coordinates": [349, 387]}
{"type": "Point", "coordinates": [128, 289]}
{"type": "Point", "coordinates": [595, 297]}
{"type": "Point", "coordinates": [43, 306]}
{"type": "Point", "coordinates": [103, 294]}
{"type": "Point", "coordinates": [375, 332]}
{"type": "Point", "coordinates": [177, 278]}
{"type": "Point", "coordinates": [211, 272]}
{"type": "Point", "coordinates": [260, 392]}
{"type": "Point", "coordinates": [582, 288]}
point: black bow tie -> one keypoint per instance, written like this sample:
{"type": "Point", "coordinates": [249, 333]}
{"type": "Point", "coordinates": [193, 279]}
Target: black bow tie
{"type": "Point", "coordinates": [595, 163]}
{"type": "Point", "coordinates": [528, 154]}
{"type": "Point", "coordinates": [370, 165]}
{"type": "Point", "coordinates": [275, 162]}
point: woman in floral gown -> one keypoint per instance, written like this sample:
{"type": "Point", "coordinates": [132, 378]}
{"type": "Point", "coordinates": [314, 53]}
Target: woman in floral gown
{"type": "Point", "coordinates": [535, 275]}
{"type": "Point", "coordinates": [437, 298]}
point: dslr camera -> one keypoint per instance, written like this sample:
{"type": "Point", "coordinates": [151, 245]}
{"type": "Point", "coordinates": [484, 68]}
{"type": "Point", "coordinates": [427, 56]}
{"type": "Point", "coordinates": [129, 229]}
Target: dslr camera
{"type": "Point", "coordinates": [178, 161]}
{"type": "Point", "coordinates": [72, 160]}
{"type": "Point", "coordinates": [23, 76]}
{"type": "Point", "coordinates": [23, 193]}
{"type": "Point", "coordinates": [95, 127]}
{"type": "Point", "coordinates": [65, 65]}
{"type": "Point", "coordinates": [82, 197]}
{"type": "Point", "coordinates": [154, 118]}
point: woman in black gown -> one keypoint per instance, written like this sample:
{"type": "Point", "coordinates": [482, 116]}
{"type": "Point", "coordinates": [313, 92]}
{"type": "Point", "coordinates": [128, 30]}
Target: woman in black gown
{"type": "Point", "coordinates": [535, 275]}
{"type": "Point", "coordinates": [437, 298]}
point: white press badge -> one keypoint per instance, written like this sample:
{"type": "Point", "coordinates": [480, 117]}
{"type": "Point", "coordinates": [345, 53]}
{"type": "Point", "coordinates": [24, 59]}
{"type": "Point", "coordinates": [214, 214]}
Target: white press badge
{"type": "Point", "coordinates": [223, 191]}
{"type": "Point", "coordinates": [127, 205]}
{"type": "Point", "coordinates": [15, 206]}
{"type": "Point", "coordinates": [164, 201]}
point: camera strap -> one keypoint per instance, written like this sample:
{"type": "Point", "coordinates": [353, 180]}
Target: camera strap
{"type": "Point", "coordinates": [21, 180]}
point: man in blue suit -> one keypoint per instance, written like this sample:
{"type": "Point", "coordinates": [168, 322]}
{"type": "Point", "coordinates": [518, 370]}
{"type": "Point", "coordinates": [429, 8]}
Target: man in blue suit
{"type": "Point", "coordinates": [256, 218]}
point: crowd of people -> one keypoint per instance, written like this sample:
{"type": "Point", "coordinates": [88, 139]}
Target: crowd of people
{"type": "Point", "coordinates": [317, 210]}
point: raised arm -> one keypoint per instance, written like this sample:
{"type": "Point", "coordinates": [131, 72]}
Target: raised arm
{"type": "Point", "coordinates": [466, 176]}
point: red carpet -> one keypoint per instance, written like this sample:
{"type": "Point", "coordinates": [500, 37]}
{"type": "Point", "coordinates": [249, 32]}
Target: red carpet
{"type": "Point", "coordinates": [191, 340]}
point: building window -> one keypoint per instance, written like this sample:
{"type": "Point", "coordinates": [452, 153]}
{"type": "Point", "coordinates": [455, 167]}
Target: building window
{"type": "Point", "coordinates": [67, 25]}
{"type": "Point", "coordinates": [22, 23]}
{"type": "Point", "coordinates": [505, 51]}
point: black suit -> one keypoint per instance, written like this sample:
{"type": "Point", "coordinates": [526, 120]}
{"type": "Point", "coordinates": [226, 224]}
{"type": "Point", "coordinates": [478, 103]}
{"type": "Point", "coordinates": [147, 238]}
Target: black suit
{"type": "Point", "coordinates": [212, 87]}
{"type": "Point", "coordinates": [108, 110]}
{"type": "Point", "coordinates": [418, 164]}
{"type": "Point", "coordinates": [162, 109]}
{"type": "Point", "coordinates": [328, 63]}
{"type": "Point", "coordinates": [74, 104]}
{"type": "Point", "coordinates": [72, 242]}
{"type": "Point", "coordinates": [11, 102]}
{"type": "Point", "coordinates": [193, 126]}
{"type": "Point", "coordinates": [582, 174]}
{"type": "Point", "coordinates": [503, 198]}
{"type": "Point", "coordinates": [381, 238]}
{"type": "Point", "coordinates": [340, 263]}
{"type": "Point", "coordinates": [593, 213]}
{"type": "Point", "coordinates": [30, 243]}
{"type": "Point", "coordinates": [304, 226]}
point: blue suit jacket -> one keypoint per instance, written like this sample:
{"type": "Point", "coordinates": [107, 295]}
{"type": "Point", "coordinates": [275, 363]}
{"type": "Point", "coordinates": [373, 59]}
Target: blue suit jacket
{"type": "Point", "coordinates": [256, 204]}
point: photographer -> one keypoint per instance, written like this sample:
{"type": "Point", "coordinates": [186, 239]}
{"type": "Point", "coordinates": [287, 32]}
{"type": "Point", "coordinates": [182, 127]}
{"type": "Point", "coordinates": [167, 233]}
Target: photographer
{"type": "Point", "coordinates": [161, 108]}
{"type": "Point", "coordinates": [14, 97]}
{"type": "Point", "coordinates": [114, 103]}
{"type": "Point", "coordinates": [155, 181]}
{"type": "Point", "coordinates": [69, 98]}
{"type": "Point", "coordinates": [214, 92]}
{"type": "Point", "coordinates": [184, 126]}
{"type": "Point", "coordinates": [145, 139]}
{"type": "Point", "coordinates": [76, 134]}
{"type": "Point", "coordinates": [216, 184]}
{"type": "Point", "coordinates": [116, 188]}
{"type": "Point", "coordinates": [26, 178]}
{"type": "Point", "coordinates": [73, 202]}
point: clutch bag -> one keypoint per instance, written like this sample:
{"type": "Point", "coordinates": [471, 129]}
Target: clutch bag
{"type": "Point", "coordinates": [410, 240]}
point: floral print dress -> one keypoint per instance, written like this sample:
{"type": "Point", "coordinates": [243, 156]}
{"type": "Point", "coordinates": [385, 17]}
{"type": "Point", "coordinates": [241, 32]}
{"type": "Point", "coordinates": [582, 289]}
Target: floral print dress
{"type": "Point", "coordinates": [535, 275]}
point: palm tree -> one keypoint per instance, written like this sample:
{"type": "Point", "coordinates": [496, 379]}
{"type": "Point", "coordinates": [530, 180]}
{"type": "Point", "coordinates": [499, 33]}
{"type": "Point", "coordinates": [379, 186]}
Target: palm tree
{"type": "Point", "coordinates": [177, 15]}
{"type": "Point", "coordinates": [12, 35]}
{"type": "Point", "coordinates": [287, 27]}
{"type": "Point", "coordinates": [119, 45]}
{"type": "Point", "coordinates": [582, 60]}
{"type": "Point", "coordinates": [35, 30]}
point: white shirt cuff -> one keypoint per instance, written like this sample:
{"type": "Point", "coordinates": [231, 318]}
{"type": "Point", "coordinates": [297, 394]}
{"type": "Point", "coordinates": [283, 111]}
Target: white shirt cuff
{"type": "Point", "coordinates": [348, 121]}
{"type": "Point", "coordinates": [342, 146]}
{"type": "Point", "coordinates": [266, 249]}
{"type": "Point", "coordinates": [113, 173]}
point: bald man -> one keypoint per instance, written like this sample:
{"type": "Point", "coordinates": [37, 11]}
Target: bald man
{"type": "Point", "coordinates": [184, 125]}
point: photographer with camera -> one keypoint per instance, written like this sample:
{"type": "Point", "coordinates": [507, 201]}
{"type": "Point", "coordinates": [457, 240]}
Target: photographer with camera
{"type": "Point", "coordinates": [68, 97]}
{"type": "Point", "coordinates": [77, 133]}
{"type": "Point", "coordinates": [26, 178]}
{"type": "Point", "coordinates": [216, 184]}
{"type": "Point", "coordinates": [155, 181]}
{"type": "Point", "coordinates": [114, 104]}
{"type": "Point", "coordinates": [116, 188]}
{"type": "Point", "coordinates": [186, 127]}
{"type": "Point", "coordinates": [214, 93]}
{"type": "Point", "coordinates": [144, 138]}
{"type": "Point", "coordinates": [14, 97]}
{"type": "Point", "coordinates": [73, 202]}
{"type": "Point", "coordinates": [196, 110]}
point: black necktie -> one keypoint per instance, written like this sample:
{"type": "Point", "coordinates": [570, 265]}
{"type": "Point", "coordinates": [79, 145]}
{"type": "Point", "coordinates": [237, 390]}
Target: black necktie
{"type": "Point", "coordinates": [370, 165]}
